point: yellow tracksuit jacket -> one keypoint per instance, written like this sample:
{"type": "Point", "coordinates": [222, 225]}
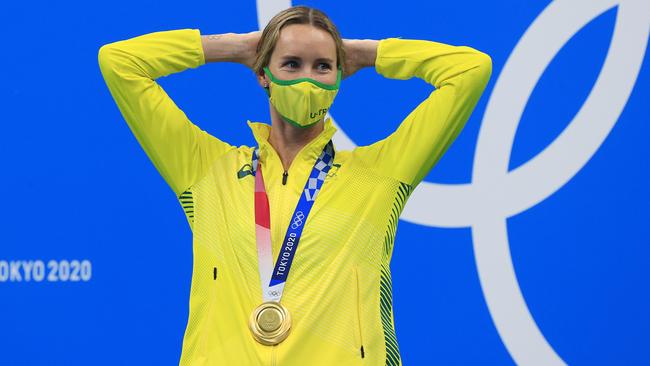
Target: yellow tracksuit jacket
{"type": "Point", "coordinates": [339, 288]}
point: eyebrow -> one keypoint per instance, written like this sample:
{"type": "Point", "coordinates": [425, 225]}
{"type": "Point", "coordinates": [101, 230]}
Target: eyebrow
{"type": "Point", "coordinates": [291, 57]}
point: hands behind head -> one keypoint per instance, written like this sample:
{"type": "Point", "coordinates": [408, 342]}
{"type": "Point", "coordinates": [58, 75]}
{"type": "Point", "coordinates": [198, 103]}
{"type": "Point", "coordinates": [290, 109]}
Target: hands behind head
{"type": "Point", "coordinates": [249, 42]}
{"type": "Point", "coordinates": [360, 53]}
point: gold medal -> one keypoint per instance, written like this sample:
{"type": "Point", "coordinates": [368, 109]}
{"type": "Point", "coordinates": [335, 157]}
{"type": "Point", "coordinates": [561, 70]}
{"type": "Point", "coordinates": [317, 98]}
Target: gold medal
{"type": "Point", "coordinates": [270, 323]}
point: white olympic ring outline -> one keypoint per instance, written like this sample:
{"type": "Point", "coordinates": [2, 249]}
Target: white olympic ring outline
{"type": "Point", "coordinates": [495, 193]}
{"type": "Point", "coordinates": [274, 293]}
{"type": "Point", "coordinates": [297, 220]}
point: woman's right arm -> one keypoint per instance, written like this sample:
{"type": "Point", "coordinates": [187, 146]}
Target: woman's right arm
{"type": "Point", "coordinates": [180, 150]}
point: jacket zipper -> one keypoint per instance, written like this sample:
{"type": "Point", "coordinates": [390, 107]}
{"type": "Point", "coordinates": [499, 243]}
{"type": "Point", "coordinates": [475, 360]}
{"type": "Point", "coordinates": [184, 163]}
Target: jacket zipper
{"type": "Point", "coordinates": [356, 275]}
{"type": "Point", "coordinates": [274, 355]}
{"type": "Point", "coordinates": [285, 175]}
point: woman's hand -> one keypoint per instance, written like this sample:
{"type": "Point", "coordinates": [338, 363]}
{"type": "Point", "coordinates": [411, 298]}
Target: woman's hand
{"type": "Point", "coordinates": [359, 53]}
{"type": "Point", "coordinates": [249, 41]}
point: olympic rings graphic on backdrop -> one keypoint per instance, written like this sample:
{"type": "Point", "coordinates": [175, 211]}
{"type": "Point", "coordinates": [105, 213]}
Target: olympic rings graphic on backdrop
{"type": "Point", "coordinates": [297, 220]}
{"type": "Point", "coordinates": [495, 194]}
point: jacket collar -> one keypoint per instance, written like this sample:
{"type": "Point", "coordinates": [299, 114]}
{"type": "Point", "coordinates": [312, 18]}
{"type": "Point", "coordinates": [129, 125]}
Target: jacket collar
{"type": "Point", "coordinates": [311, 151]}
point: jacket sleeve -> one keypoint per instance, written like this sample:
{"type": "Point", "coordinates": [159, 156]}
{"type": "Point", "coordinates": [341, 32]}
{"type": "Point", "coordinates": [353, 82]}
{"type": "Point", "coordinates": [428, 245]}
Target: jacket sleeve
{"type": "Point", "coordinates": [459, 75]}
{"type": "Point", "coordinates": [180, 150]}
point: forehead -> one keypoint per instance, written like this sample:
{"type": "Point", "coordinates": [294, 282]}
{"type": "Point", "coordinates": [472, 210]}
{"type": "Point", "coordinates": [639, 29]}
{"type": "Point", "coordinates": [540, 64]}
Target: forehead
{"type": "Point", "coordinates": [305, 41]}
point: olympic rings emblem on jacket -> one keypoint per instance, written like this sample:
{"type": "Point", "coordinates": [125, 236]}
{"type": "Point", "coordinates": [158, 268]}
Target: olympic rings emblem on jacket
{"type": "Point", "coordinates": [297, 220]}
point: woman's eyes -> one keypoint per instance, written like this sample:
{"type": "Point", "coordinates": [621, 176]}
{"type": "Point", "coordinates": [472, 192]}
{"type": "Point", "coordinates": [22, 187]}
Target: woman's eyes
{"type": "Point", "coordinates": [292, 63]}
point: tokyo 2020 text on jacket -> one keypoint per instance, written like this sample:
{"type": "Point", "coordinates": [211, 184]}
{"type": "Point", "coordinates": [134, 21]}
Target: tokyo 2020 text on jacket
{"type": "Point", "coordinates": [339, 288]}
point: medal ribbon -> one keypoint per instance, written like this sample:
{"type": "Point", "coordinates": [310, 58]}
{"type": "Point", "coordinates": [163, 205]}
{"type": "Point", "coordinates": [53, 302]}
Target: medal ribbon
{"type": "Point", "coordinates": [273, 279]}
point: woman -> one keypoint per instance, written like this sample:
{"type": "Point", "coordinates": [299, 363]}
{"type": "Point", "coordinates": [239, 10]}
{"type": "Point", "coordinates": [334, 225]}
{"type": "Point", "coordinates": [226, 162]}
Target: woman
{"type": "Point", "coordinates": [335, 308]}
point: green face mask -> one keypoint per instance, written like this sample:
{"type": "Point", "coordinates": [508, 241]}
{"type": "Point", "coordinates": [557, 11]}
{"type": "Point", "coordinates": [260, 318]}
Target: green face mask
{"type": "Point", "coordinates": [304, 101]}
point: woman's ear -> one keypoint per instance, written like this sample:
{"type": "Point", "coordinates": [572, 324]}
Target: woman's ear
{"type": "Point", "coordinates": [262, 79]}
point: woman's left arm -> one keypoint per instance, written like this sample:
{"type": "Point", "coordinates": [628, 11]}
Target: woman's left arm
{"type": "Point", "coordinates": [459, 75]}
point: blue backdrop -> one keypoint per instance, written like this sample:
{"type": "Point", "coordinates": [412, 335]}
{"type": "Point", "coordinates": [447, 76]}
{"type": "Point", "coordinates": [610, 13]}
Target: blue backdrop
{"type": "Point", "coordinates": [540, 261]}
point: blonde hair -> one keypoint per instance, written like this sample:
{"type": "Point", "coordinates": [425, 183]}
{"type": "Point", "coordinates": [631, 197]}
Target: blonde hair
{"type": "Point", "coordinates": [295, 15]}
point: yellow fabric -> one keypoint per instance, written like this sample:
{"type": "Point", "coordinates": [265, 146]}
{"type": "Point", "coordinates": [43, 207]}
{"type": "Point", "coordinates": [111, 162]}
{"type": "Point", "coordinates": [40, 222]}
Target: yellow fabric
{"type": "Point", "coordinates": [339, 287]}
